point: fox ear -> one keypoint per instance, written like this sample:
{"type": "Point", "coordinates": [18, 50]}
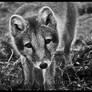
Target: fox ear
{"type": "Point", "coordinates": [16, 24]}
{"type": "Point", "coordinates": [47, 15]}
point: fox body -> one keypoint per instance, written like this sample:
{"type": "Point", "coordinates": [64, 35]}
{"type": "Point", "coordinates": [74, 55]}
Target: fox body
{"type": "Point", "coordinates": [39, 30]}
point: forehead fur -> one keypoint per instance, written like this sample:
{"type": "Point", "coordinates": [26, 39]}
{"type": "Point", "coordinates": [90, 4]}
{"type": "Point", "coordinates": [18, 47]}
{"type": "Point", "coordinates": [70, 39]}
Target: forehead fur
{"type": "Point", "coordinates": [36, 26]}
{"type": "Point", "coordinates": [33, 22]}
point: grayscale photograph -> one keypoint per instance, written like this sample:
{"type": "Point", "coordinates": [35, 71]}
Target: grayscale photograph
{"type": "Point", "coordinates": [46, 46]}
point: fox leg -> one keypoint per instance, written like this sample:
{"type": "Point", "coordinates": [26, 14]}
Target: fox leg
{"type": "Point", "coordinates": [68, 61]}
{"type": "Point", "coordinates": [70, 31]}
{"type": "Point", "coordinates": [27, 72]}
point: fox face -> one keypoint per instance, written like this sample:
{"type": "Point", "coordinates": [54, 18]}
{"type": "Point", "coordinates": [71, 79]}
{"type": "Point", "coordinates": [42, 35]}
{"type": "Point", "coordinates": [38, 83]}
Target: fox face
{"type": "Point", "coordinates": [35, 37]}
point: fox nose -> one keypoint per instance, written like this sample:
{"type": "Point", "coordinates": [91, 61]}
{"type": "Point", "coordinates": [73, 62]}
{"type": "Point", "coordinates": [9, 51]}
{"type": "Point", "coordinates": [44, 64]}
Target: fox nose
{"type": "Point", "coordinates": [43, 65]}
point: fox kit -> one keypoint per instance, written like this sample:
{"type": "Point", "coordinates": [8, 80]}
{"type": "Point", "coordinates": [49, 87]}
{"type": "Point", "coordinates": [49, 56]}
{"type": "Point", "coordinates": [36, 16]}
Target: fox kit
{"type": "Point", "coordinates": [38, 30]}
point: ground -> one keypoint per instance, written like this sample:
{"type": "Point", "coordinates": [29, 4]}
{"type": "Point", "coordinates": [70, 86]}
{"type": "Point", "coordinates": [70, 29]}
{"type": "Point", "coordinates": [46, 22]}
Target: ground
{"type": "Point", "coordinates": [77, 78]}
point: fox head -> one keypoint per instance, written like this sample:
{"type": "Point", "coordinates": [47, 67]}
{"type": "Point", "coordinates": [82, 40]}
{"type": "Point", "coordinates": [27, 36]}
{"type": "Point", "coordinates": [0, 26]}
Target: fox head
{"type": "Point", "coordinates": [35, 37]}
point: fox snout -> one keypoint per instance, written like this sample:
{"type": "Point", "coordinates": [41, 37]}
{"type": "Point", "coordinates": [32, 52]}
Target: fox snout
{"type": "Point", "coordinates": [42, 64]}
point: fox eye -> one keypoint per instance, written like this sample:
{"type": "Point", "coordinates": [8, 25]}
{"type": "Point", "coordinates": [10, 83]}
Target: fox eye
{"type": "Point", "coordinates": [28, 45]}
{"type": "Point", "coordinates": [48, 40]}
